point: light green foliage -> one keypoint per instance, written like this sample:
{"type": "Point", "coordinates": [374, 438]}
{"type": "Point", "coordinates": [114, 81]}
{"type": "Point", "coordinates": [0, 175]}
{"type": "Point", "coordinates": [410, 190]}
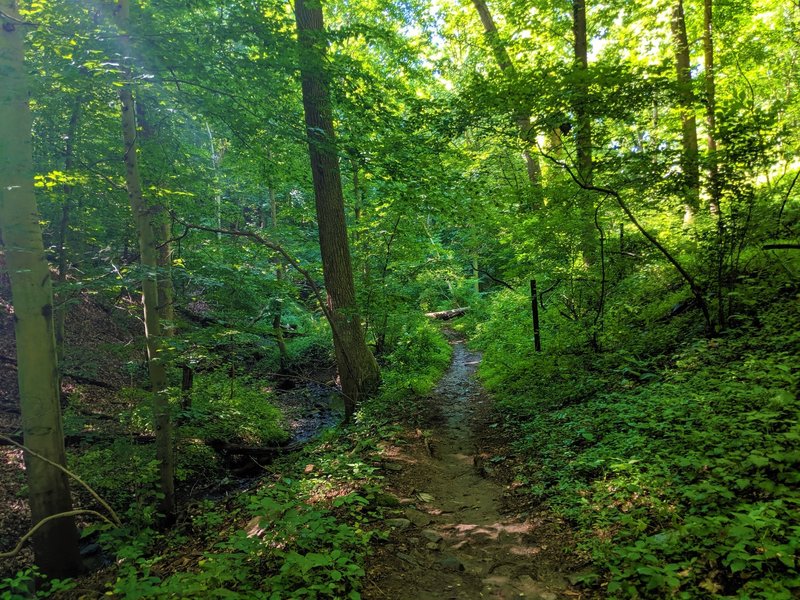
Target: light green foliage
{"type": "Point", "coordinates": [679, 464]}
{"type": "Point", "coordinates": [284, 543]}
{"type": "Point", "coordinates": [29, 583]}
{"type": "Point", "coordinates": [421, 355]}
{"type": "Point", "coordinates": [129, 487]}
{"type": "Point", "coordinates": [233, 409]}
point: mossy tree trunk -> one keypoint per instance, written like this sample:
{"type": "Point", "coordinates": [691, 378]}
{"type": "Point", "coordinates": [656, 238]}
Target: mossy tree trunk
{"type": "Point", "coordinates": [55, 545]}
{"type": "Point", "coordinates": [143, 217]}
{"type": "Point", "coordinates": [358, 370]}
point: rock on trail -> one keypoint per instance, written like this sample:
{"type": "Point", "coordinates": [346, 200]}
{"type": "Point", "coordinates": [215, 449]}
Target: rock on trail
{"type": "Point", "coordinates": [453, 540]}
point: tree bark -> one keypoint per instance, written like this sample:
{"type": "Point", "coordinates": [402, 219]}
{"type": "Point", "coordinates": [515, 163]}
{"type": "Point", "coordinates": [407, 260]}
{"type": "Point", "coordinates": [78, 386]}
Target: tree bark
{"type": "Point", "coordinates": [277, 329]}
{"type": "Point", "coordinates": [63, 228]}
{"type": "Point", "coordinates": [142, 215]}
{"type": "Point", "coordinates": [522, 120]}
{"type": "Point", "coordinates": [358, 370]}
{"type": "Point", "coordinates": [583, 129]}
{"type": "Point", "coordinates": [55, 544]}
{"type": "Point", "coordinates": [690, 171]}
{"type": "Point", "coordinates": [711, 107]}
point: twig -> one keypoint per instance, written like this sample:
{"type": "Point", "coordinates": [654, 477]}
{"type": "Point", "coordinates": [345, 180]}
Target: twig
{"type": "Point", "coordinates": [40, 524]}
{"type": "Point", "coordinates": [95, 495]}
{"type": "Point", "coordinates": [696, 290]}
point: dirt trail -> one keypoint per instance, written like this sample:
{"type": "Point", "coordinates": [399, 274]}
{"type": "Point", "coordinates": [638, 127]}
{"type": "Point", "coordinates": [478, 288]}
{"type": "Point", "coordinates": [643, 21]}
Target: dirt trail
{"type": "Point", "coordinates": [453, 540]}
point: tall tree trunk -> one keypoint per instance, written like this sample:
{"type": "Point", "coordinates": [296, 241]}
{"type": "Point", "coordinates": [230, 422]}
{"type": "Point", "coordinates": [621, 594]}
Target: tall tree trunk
{"type": "Point", "coordinates": [689, 163]}
{"type": "Point", "coordinates": [522, 119]}
{"type": "Point", "coordinates": [55, 545]}
{"type": "Point", "coordinates": [163, 228]}
{"type": "Point", "coordinates": [358, 370]}
{"type": "Point", "coordinates": [277, 329]}
{"type": "Point", "coordinates": [63, 228]}
{"type": "Point", "coordinates": [216, 158]}
{"type": "Point", "coordinates": [149, 262]}
{"type": "Point", "coordinates": [583, 129]}
{"type": "Point", "coordinates": [711, 107]}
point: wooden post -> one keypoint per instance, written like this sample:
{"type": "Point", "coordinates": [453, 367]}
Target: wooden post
{"type": "Point", "coordinates": [537, 340]}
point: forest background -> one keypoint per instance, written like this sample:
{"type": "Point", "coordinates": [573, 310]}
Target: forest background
{"type": "Point", "coordinates": [639, 162]}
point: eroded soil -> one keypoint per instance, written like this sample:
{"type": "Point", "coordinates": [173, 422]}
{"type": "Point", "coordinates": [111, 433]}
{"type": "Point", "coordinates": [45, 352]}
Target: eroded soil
{"type": "Point", "coordinates": [460, 534]}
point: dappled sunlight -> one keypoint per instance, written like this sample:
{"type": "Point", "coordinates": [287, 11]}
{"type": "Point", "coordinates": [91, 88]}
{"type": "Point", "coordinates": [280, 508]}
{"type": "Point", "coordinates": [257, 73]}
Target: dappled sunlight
{"type": "Point", "coordinates": [464, 534]}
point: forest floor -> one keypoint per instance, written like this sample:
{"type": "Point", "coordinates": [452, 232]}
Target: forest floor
{"type": "Point", "coordinates": [463, 532]}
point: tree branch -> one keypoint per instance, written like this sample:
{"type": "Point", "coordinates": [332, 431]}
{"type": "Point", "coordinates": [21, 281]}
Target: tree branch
{"type": "Point", "coordinates": [69, 473]}
{"type": "Point", "coordinates": [696, 290]}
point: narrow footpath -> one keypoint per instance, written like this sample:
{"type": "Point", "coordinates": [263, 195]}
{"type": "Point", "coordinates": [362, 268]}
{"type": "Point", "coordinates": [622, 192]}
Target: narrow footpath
{"type": "Point", "coordinates": [454, 538]}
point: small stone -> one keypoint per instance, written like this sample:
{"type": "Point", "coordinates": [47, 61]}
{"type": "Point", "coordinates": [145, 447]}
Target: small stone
{"type": "Point", "coordinates": [406, 558]}
{"type": "Point", "coordinates": [451, 563]}
{"type": "Point", "coordinates": [419, 518]}
{"type": "Point", "coordinates": [383, 499]}
{"type": "Point", "coordinates": [398, 523]}
{"type": "Point", "coordinates": [431, 535]}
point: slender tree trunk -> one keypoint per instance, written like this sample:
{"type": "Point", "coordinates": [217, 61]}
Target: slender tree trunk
{"type": "Point", "coordinates": [583, 129]}
{"type": "Point", "coordinates": [166, 289]}
{"type": "Point", "coordinates": [63, 228]}
{"type": "Point", "coordinates": [689, 164]}
{"type": "Point", "coordinates": [358, 370]}
{"type": "Point", "coordinates": [283, 354]}
{"type": "Point", "coordinates": [711, 107]}
{"type": "Point", "coordinates": [163, 227]}
{"type": "Point", "coordinates": [55, 545]}
{"type": "Point", "coordinates": [358, 199]}
{"type": "Point", "coordinates": [216, 158]}
{"type": "Point", "coordinates": [526, 130]}
{"type": "Point", "coordinates": [142, 215]}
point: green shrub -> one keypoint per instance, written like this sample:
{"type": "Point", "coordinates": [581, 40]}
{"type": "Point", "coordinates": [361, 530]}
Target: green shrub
{"type": "Point", "coordinates": [232, 409]}
{"type": "Point", "coordinates": [675, 457]}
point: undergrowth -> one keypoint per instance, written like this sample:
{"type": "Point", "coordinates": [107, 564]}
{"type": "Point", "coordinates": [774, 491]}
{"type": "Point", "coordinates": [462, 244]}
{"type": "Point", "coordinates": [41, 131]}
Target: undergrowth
{"type": "Point", "coordinates": [676, 460]}
{"type": "Point", "coordinates": [302, 533]}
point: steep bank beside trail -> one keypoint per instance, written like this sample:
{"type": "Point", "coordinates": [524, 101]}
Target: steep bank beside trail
{"type": "Point", "coordinates": [457, 535]}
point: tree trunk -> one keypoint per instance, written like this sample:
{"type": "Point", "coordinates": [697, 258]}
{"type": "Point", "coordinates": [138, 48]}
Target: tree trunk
{"type": "Point", "coordinates": [526, 132]}
{"type": "Point", "coordinates": [358, 370]}
{"type": "Point", "coordinates": [583, 129]}
{"type": "Point", "coordinates": [55, 545]}
{"type": "Point", "coordinates": [711, 107]}
{"type": "Point", "coordinates": [63, 228]}
{"type": "Point", "coordinates": [142, 215]}
{"type": "Point", "coordinates": [277, 329]}
{"type": "Point", "coordinates": [689, 166]}
{"type": "Point", "coordinates": [163, 227]}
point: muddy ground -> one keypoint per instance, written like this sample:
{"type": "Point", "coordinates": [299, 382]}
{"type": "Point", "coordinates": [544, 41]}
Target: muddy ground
{"type": "Point", "coordinates": [464, 532]}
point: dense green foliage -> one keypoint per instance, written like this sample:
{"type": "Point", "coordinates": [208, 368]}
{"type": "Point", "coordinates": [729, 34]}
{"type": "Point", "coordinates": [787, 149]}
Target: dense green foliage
{"type": "Point", "coordinates": [675, 456]}
{"type": "Point", "coordinates": [661, 417]}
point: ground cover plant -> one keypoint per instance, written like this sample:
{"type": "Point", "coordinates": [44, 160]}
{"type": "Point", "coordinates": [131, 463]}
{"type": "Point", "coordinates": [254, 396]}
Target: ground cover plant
{"type": "Point", "coordinates": [677, 462]}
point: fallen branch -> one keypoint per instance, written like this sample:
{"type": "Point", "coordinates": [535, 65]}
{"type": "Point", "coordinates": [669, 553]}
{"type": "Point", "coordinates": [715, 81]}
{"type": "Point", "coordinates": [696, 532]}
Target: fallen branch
{"type": "Point", "coordinates": [446, 315]}
{"type": "Point", "coordinates": [40, 524]}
